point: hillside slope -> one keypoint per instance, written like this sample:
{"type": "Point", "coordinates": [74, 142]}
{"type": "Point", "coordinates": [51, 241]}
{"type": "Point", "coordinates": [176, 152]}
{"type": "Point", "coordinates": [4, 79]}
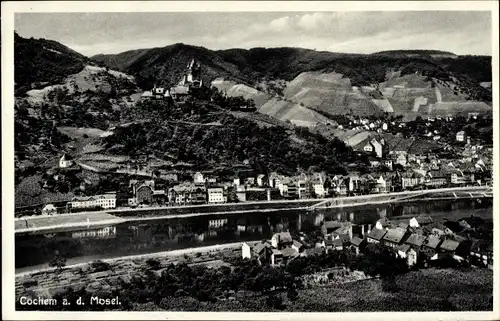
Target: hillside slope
{"type": "Point", "coordinates": [40, 62]}
{"type": "Point", "coordinates": [280, 80]}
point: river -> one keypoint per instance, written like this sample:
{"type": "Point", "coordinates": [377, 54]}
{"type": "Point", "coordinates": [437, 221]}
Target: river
{"type": "Point", "coordinates": [147, 236]}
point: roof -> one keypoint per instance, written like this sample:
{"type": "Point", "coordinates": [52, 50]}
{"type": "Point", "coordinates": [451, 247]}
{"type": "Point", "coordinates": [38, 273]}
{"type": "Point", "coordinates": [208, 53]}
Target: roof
{"type": "Point", "coordinates": [283, 237]}
{"type": "Point", "coordinates": [424, 219]}
{"type": "Point", "coordinates": [315, 251]}
{"type": "Point", "coordinates": [260, 247]}
{"type": "Point", "coordinates": [337, 242]}
{"type": "Point", "coordinates": [395, 235]}
{"type": "Point", "coordinates": [403, 225]}
{"type": "Point", "coordinates": [276, 252]}
{"type": "Point", "coordinates": [415, 239]}
{"type": "Point", "coordinates": [403, 248]}
{"type": "Point", "coordinates": [449, 245]}
{"type": "Point", "coordinates": [288, 252]}
{"type": "Point", "coordinates": [179, 90]}
{"type": "Point", "coordinates": [376, 234]}
{"type": "Point", "coordinates": [94, 197]}
{"type": "Point", "coordinates": [297, 244]}
{"type": "Point", "coordinates": [66, 157]}
{"type": "Point", "coordinates": [384, 221]}
{"type": "Point", "coordinates": [432, 242]}
{"type": "Point", "coordinates": [356, 241]}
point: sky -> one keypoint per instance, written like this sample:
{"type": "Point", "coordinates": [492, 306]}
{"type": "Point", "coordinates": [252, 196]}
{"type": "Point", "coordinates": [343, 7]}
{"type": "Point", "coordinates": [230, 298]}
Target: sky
{"type": "Point", "coordinates": [460, 32]}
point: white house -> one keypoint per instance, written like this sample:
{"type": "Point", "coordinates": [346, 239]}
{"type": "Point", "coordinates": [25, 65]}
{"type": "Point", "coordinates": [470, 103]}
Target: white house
{"type": "Point", "coordinates": [319, 189]}
{"type": "Point", "coordinates": [377, 148]}
{"type": "Point", "coordinates": [49, 209]}
{"type": "Point", "coordinates": [105, 201]}
{"type": "Point", "coordinates": [215, 195]}
{"type": "Point", "coordinates": [260, 180]}
{"type": "Point", "coordinates": [461, 136]}
{"type": "Point", "coordinates": [407, 252]}
{"type": "Point", "coordinates": [246, 251]}
{"type": "Point", "coordinates": [368, 148]}
{"type": "Point", "coordinates": [414, 223]}
{"type": "Point", "coordinates": [382, 185]}
{"type": "Point", "coordinates": [198, 178]}
{"type": "Point", "coordinates": [65, 161]}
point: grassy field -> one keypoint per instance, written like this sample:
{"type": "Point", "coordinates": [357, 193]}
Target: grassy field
{"type": "Point", "coordinates": [424, 290]}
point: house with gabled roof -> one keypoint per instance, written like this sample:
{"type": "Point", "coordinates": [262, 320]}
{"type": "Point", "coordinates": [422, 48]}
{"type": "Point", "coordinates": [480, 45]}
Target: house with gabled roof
{"type": "Point", "coordinates": [430, 246]}
{"type": "Point", "coordinates": [357, 244]}
{"type": "Point", "coordinates": [383, 224]}
{"type": "Point", "coordinates": [376, 235]}
{"type": "Point", "coordinates": [66, 161]}
{"type": "Point", "coordinates": [297, 246]}
{"type": "Point", "coordinates": [262, 251]}
{"type": "Point", "coordinates": [276, 257]}
{"type": "Point", "coordinates": [415, 240]}
{"type": "Point", "coordinates": [395, 237]}
{"type": "Point", "coordinates": [281, 240]}
{"type": "Point", "coordinates": [334, 245]}
{"type": "Point", "coordinates": [405, 251]}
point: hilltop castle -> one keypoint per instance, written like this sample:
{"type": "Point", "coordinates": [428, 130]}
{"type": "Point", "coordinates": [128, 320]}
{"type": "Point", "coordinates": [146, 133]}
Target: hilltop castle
{"type": "Point", "coordinates": [190, 82]}
{"type": "Point", "coordinates": [193, 75]}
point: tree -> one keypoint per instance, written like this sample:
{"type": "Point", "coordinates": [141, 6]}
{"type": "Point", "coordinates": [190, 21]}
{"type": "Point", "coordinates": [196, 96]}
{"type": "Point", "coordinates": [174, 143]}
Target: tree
{"type": "Point", "coordinates": [275, 301]}
{"type": "Point", "coordinates": [58, 262]}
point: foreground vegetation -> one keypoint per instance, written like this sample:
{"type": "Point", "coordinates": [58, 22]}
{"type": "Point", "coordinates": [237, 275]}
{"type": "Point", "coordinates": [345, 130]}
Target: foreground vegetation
{"type": "Point", "coordinates": [245, 285]}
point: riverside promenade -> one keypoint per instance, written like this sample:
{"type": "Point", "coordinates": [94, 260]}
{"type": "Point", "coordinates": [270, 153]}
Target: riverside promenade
{"type": "Point", "coordinates": [95, 220]}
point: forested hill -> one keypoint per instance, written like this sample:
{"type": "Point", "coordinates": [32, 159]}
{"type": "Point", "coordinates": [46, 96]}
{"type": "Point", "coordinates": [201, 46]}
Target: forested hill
{"type": "Point", "coordinates": [41, 62]}
{"type": "Point", "coordinates": [204, 136]}
{"type": "Point", "coordinates": [253, 65]}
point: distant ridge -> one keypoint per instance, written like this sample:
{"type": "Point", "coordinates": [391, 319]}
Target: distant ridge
{"type": "Point", "coordinates": [414, 52]}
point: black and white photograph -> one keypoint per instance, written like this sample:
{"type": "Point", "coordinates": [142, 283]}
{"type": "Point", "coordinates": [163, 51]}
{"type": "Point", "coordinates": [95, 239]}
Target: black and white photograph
{"type": "Point", "coordinates": [272, 160]}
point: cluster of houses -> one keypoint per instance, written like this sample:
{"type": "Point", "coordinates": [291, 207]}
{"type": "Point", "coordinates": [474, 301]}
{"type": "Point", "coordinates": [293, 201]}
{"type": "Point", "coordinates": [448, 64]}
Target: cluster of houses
{"type": "Point", "coordinates": [420, 238]}
{"type": "Point", "coordinates": [428, 172]}
{"type": "Point", "coordinates": [417, 239]}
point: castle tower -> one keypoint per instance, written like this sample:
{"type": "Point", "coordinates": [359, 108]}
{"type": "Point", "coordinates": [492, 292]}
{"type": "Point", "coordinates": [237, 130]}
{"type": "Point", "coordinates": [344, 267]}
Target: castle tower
{"type": "Point", "coordinates": [193, 73]}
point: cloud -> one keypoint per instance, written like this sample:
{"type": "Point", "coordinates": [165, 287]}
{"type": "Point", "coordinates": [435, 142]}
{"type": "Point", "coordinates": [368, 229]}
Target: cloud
{"type": "Point", "coordinates": [280, 24]}
{"type": "Point", "coordinates": [363, 32]}
{"type": "Point", "coordinates": [314, 21]}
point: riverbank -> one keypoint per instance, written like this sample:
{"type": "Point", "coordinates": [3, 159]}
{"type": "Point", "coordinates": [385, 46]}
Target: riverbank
{"type": "Point", "coordinates": [65, 222]}
{"type": "Point", "coordinates": [31, 270]}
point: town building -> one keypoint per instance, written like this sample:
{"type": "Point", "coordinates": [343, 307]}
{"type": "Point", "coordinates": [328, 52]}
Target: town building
{"type": "Point", "coordinates": [405, 251]}
{"type": "Point", "coordinates": [395, 237]}
{"type": "Point", "coordinates": [66, 161]}
{"type": "Point", "coordinates": [261, 179]}
{"type": "Point", "coordinates": [281, 240]}
{"type": "Point", "coordinates": [375, 236]}
{"type": "Point", "coordinates": [198, 178]}
{"type": "Point", "coordinates": [104, 201]}
{"type": "Point", "coordinates": [461, 136]}
{"type": "Point", "coordinates": [216, 195]}
{"type": "Point", "coordinates": [49, 209]}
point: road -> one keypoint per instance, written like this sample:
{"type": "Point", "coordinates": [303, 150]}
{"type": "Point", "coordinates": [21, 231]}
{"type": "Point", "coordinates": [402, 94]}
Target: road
{"type": "Point", "coordinates": [361, 200]}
